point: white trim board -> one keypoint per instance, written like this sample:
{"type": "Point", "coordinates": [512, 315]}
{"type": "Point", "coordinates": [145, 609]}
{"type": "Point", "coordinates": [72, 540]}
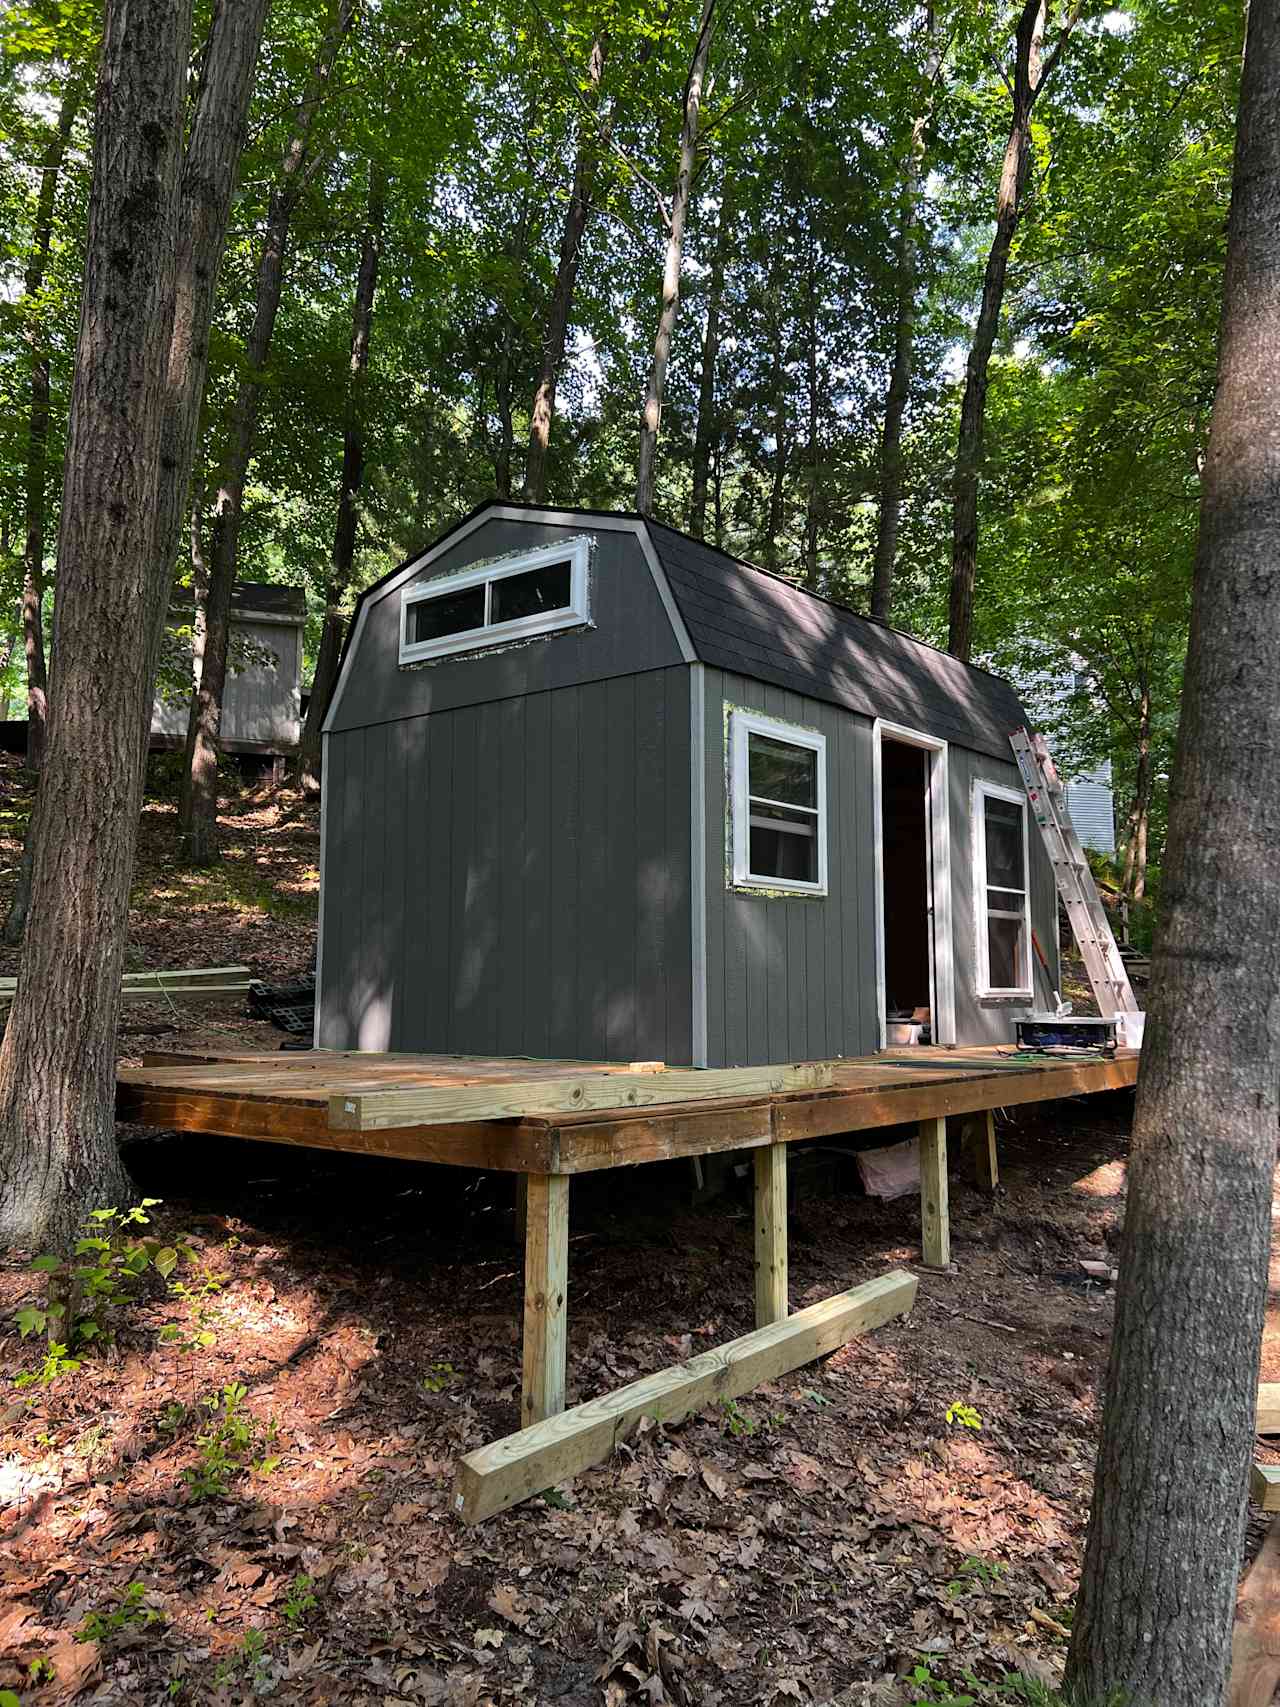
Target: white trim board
{"type": "Point", "coordinates": [941, 947]}
{"type": "Point", "coordinates": [981, 787]}
{"type": "Point", "coordinates": [698, 861]}
{"type": "Point", "coordinates": [324, 840]}
{"type": "Point", "coordinates": [743, 724]}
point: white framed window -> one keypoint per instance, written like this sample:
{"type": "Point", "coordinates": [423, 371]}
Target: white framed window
{"type": "Point", "coordinates": [1002, 890]}
{"type": "Point", "coordinates": [538, 592]}
{"type": "Point", "coordinates": [778, 804]}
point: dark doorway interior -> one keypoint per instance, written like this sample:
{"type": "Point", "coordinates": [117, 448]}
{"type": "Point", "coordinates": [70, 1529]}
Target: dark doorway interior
{"type": "Point", "coordinates": [904, 773]}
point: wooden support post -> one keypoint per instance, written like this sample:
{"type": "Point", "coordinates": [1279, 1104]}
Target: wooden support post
{"type": "Point", "coordinates": [546, 1276]}
{"type": "Point", "coordinates": [978, 1143]}
{"type": "Point", "coordinates": [771, 1234]}
{"type": "Point", "coordinates": [935, 1214]}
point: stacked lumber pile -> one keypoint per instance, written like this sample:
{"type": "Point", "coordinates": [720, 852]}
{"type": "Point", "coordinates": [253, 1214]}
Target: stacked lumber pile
{"type": "Point", "coordinates": [206, 983]}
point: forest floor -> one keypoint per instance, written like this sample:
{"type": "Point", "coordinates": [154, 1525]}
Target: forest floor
{"type": "Point", "coordinates": [259, 1507]}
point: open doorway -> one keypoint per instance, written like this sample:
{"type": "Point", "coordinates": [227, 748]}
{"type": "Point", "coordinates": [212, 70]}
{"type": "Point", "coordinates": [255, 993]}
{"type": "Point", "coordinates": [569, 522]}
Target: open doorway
{"type": "Point", "coordinates": [912, 889]}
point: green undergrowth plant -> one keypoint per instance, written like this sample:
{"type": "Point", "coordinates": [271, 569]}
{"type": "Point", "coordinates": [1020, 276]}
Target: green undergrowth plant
{"type": "Point", "coordinates": [1014, 1689]}
{"type": "Point", "coordinates": [960, 1415]}
{"type": "Point", "coordinates": [85, 1295]}
{"type": "Point", "coordinates": [131, 1612]}
{"type": "Point", "coordinates": [248, 1662]}
{"type": "Point", "coordinates": [300, 1601]}
{"type": "Point", "coordinates": [233, 1443]}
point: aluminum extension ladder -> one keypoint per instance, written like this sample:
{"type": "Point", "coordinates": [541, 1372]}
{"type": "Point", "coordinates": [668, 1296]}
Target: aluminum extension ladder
{"type": "Point", "coordinates": [1089, 922]}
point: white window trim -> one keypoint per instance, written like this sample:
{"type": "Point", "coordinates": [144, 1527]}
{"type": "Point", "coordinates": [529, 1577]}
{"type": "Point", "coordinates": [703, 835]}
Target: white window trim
{"type": "Point", "coordinates": [576, 551]}
{"type": "Point", "coordinates": [942, 959]}
{"type": "Point", "coordinates": [741, 725]}
{"type": "Point", "coordinates": [982, 792]}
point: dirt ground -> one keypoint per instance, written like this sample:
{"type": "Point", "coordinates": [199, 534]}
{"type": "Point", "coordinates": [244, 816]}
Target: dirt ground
{"type": "Point", "coordinates": [843, 1536]}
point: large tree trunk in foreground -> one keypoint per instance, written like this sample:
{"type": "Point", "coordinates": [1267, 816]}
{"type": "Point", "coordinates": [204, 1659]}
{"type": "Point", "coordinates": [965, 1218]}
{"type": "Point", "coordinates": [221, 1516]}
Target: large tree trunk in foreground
{"type": "Point", "coordinates": [207, 191]}
{"type": "Point", "coordinates": [198, 803]}
{"type": "Point", "coordinates": [1029, 78]}
{"type": "Point", "coordinates": [1153, 1618]}
{"type": "Point", "coordinates": [576, 216]}
{"type": "Point", "coordinates": [344, 537]}
{"type": "Point", "coordinates": [655, 392]}
{"type": "Point", "coordinates": [707, 432]}
{"type": "Point", "coordinates": [37, 459]}
{"type": "Point", "coordinates": [895, 403]}
{"type": "Point", "coordinates": [58, 1154]}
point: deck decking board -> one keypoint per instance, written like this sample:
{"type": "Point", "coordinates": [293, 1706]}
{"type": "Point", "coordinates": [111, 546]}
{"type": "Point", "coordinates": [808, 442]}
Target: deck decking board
{"type": "Point", "coordinates": [287, 1099]}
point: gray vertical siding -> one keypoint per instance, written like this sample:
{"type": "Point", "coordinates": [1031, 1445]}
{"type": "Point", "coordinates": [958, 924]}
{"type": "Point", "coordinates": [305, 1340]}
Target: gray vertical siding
{"type": "Point", "coordinates": [795, 978]}
{"type": "Point", "coordinates": [991, 1020]}
{"type": "Point", "coordinates": [262, 698]}
{"type": "Point", "coordinates": [791, 978]}
{"type": "Point", "coordinates": [513, 877]}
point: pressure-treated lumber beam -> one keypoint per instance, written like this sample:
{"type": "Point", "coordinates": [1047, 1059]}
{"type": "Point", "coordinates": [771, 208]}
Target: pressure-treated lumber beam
{"type": "Point", "coordinates": [1268, 1407]}
{"type": "Point", "coordinates": [546, 1284]}
{"type": "Point", "coordinates": [771, 1234]}
{"type": "Point", "coordinates": [935, 1213]}
{"type": "Point", "coordinates": [510, 1470]}
{"type": "Point", "coordinates": [499, 1099]}
{"type": "Point", "coordinates": [1264, 1486]}
{"type": "Point", "coordinates": [978, 1145]}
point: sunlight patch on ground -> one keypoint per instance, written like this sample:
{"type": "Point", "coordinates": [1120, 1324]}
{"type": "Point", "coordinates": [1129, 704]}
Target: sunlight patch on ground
{"type": "Point", "coordinates": [1105, 1181]}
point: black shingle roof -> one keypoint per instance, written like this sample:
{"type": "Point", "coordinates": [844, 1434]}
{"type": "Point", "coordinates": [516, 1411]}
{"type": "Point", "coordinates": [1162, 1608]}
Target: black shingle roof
{"type": "Point", "coordinates": [269, 598]}
{"type": "Point", "coordinates": [756, 624]}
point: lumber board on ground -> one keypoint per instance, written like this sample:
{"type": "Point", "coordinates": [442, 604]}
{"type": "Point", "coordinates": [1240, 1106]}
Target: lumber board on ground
{"type": "Point", "coordinates": [364, 1111]}
{"type": "Point", "coordinates": [1264, 1486]}
{"type": "Point", "coordinates": [520, 1465]}
{"type": "Point", "coordinates": [1268, 1407]}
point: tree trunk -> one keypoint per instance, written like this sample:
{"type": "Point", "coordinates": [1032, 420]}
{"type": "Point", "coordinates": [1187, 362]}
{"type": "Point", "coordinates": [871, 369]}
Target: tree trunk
{"type": "Point", "coordinates": [344, 537]}
{"type": "Point", "coordinates": [208, 188]}
{"type": "Point", "coordinates": [58, 1154]}
{"type": "Point", "coordinates": [1027, 82]}
{"type": "Point", "coordinates": [708, 428]}
{"type": "Point", "coordinates": [778, 475]}
{"type": "Point", "coordinates": [1154, 1614]}
{"type": "Point", "coordinates": [655, 392]}
{"type": "Point", "coordinates": [37, 460]}
{"type": "Point", "coordinates": [813, 448]}
{"type": "Point", "coordinates": [1134, 879]}
{"type": "Point", "coordinates": [895, 404]}
{"type": "Point", "coordinates": [558, 310]}
{"type": "Point", "coordinates": [198, 805]}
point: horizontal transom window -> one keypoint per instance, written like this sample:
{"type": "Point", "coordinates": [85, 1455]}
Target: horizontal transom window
{"type": "Point", "coordinates": [779, 804]}
{"type": "Point", "coordinates": [538, 592]}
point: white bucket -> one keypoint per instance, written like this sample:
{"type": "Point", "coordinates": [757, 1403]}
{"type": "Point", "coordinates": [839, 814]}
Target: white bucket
{"type": "Point", "coordinates": [1129, 1029]}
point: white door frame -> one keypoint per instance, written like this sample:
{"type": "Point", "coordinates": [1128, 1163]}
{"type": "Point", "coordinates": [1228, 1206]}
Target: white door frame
{"type": "Point", "coordinates": [941, 952]}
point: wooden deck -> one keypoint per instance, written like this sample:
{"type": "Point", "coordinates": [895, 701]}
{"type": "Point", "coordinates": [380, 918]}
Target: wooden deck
{"type": "Point", "coordinates": [564, 1117]}
{"type": "Point", "coordinates": [549, 1120]}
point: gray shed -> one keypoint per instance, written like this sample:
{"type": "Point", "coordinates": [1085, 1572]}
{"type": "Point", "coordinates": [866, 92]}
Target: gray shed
{"type": "Point", "coordinates": [595, 790]}
{"type": "Point", "coordinates": [261, 711]}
